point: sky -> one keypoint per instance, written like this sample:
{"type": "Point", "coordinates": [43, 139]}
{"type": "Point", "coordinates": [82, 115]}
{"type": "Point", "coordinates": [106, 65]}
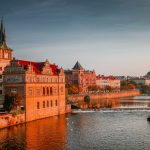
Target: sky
{"type": "Point", "coordinates": [110, 36]}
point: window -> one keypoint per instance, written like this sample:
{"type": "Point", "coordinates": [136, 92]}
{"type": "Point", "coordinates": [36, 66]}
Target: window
{"type": "Point", "coordinates": [47, 103]}
{"type": "Point", "coordinates": [51, 90]}
{"type": "Point", "coordinates": [0, 84]}
{"type": "Point", "coordinates": [43, 91]}
{"type": "Point", "coordinates": [13, 90]}
{"type": "Point", "coordinates": [0, 91]}
{"type": "Point", "coordinates": [43, 104]}
{"type": "Point", "coordinates": [38, 105]}
{"type": "Point", "coordinates": [0, 76]}
{"type": "Point", "coordinates": [47, 91]}
{"type": "Point", "coordinates": [30, 92]}
{"type": "Point", "coordinates": [62, 89]}
{"type": "Point", "coordinates": [51, 103]}
{"type": "Point", "coordinates": [37, 92]}
{"type": "Point", "coordinates": [56, 102]}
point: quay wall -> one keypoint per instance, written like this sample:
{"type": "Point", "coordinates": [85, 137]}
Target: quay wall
{"type": "Point", "coordinates": [7, 120]}
{"type": "Point", "coordinates": [121, 94]}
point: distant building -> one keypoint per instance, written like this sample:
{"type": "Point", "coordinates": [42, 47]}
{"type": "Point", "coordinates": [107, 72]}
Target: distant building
{"type": "Point", "coordinates": [143, 81]}
{"type": "Point", "coordinates": [104, 81]}
{"type": "Point", "coordinates": [5, 57]}
{"type": "Point", "coordinates": [80, 77]}
{"type": "Point", "coordinates": [41, 85]}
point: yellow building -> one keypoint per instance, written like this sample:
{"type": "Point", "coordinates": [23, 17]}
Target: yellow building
{"type": "Point", "coordinates": [41, 85]}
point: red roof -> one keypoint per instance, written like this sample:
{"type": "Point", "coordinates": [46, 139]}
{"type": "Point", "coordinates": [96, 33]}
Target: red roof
{"type": "Point", "coordinates": [37, 66]}
{"type": "Point", "coordinates": [106, 77]}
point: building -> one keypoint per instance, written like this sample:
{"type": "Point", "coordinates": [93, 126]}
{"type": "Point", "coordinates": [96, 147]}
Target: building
{"type": "Point", "coordinates": [5, 57]}
{"type": "Point", "coordinates": [141, 80]}
{"type": "Point", "coordinates": [41, 85]}
{"type": "Point", "coordinates": [80, 77]}
{"type": "Point", "coordinates": [104, 81]}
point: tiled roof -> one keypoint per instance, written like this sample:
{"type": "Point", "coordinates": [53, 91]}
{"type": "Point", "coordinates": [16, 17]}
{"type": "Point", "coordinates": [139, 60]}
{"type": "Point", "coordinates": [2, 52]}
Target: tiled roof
{"type": "Point", "coordinates": [37, 66]}
{"type": "Point", "coordinates": [106, 77]}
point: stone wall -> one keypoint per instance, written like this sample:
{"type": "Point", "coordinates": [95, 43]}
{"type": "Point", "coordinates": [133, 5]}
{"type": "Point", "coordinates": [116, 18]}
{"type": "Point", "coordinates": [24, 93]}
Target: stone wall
{"type": "Point", "coordinates": [121, 94]}
{"type": "Point", "coordinates": [7, 120]}
{"type": "Point", "coordinates": [68, 108]}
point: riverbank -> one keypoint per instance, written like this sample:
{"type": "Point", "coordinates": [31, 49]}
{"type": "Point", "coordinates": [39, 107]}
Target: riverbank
{"type": "Point", "coordinates": [7, 120]}
{"type": "Point", "coordinates": [99, 96]}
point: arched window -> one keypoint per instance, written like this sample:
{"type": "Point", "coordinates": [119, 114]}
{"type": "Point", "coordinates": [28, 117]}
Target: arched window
{"type": "Point", "coordinates": [43, 91]}
{"type": "Point", "coordinates": [56, 102]}
{"type": "Point", "coordinates": [43, 104]}
{"type": "Point", "coordinates": [47, 103]}
{"type": "Point", "coordinates": [51, 91]}
{"type": "Point", "coordinates": [47, 91]}
{"type": "Point", "coordinates": [38, 105]}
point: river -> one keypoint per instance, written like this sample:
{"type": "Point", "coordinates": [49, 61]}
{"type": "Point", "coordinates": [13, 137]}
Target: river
{"type": "Point", "coordinates": [123, 129]}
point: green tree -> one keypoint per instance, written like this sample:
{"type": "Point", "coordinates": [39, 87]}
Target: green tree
{"type": "Point", "coordinates": [12, 102]}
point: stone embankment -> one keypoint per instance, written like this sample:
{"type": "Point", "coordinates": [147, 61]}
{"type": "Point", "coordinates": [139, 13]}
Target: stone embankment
{"type": "Point", "coordinates": [110, 95]}
{"type": "Point", "coordinates": [7, 120]}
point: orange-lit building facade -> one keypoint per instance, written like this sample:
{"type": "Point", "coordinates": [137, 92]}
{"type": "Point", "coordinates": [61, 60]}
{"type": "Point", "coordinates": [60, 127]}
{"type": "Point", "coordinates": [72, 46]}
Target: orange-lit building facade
{"type": "Point", "coordinates": [5, 58]}
{"type": "Point", "coordinates": [104, 81]}
{"type": "Point", "coordinates": [41, 85]}
{"type": "Point", "coordinates": [80, 77]}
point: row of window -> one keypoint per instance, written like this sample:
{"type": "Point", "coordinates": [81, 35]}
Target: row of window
{"type": "Point", "coordinates": [46, 104]}
{"type": "Point", "coordinates": [40, 79]}
{"type": "Point", "coordinates": [45, 91]}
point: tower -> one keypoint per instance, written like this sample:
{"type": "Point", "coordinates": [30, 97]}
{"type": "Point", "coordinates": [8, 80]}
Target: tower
{"type": "Point", "coordinates": [5, 58]}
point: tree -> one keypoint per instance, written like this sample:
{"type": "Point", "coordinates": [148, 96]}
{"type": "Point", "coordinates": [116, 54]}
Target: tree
{"type": "Point", "coordinates": [12, 102]}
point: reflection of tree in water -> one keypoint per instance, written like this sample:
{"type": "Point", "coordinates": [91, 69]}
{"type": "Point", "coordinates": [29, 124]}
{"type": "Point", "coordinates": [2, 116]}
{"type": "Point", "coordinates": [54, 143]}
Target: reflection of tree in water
{"type": "Point", "coordinates": [105, 103]}
{"type": "Point", "coordinates": [13, 138]}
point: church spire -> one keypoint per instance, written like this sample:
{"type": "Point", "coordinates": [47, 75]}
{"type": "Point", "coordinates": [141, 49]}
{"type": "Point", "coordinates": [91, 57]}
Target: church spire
{"type": "Point", "coordinates": [2, 36]}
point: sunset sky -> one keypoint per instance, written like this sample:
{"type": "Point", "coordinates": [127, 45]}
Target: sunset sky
{"type": "Point", "coordinates": [110, 36]}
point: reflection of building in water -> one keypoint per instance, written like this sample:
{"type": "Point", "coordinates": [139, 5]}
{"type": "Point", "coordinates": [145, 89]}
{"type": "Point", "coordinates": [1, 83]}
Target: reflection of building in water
{"type": "Point", "coordinates": [103, 103]}
{"type": "Point", "coordinates": [13, 138]}
{"type": "Point", "coordinates": [49, 133]}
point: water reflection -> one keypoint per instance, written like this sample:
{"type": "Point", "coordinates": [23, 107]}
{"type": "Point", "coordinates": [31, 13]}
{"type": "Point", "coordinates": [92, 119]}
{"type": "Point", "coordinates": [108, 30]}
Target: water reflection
{"type": "Point", "coordinates": [51, 132]}
{"type": "Point", "coordinates": [48, 133]}
{"type": "Point", "coordinates": [13, 138]}
{"type": "Point", "coordinates": [118, 103]}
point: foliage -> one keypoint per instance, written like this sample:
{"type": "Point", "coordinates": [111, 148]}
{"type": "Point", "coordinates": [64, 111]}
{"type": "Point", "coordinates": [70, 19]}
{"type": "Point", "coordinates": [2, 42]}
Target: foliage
{"type": "Point", "coordinates": [128, 85]}
{"type": "Point", "coordinates": [108, 88]}
{"type": "Point", "coordinates": [93, 88]}
{"type": "Point", "coordinates": [12, 102]}
{"type": "Point", "coordinates": [73, 89]}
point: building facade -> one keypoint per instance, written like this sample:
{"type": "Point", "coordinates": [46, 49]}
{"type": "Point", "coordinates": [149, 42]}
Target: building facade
{"type": "Point", "coordinates": [141, 80]}
{"type": "Point", "coordinates": [104, 81]}
{"type": "Point", "coordinates": [5, 58]}
{"type": "Point", "coordinates": [80, 77]}
{"type": "Point", "coordinates": [40, 84]}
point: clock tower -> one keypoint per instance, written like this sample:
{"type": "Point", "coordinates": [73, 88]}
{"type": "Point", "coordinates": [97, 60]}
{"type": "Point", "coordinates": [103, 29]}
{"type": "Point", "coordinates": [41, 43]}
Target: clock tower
{"type": "Point", "coordinates": [5, 58]}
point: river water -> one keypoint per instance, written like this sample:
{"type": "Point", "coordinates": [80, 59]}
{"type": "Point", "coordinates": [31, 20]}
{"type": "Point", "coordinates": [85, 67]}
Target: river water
{"type": "Point", "coordinates": [115, 129]}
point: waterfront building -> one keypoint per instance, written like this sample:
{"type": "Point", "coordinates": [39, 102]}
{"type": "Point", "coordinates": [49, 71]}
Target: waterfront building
{"type": "Point", "coordinates": [141, 80]}
{"type": "Point", "coordinates": [80, 77]}
{"type": "Point", "coordinates": [5, 57]}
{"type": "Point", "coordinates": [40, 84]}
{"type": "Point", "coordinates": [104, 81]}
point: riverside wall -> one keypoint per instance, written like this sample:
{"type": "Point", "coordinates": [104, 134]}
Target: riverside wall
{"type": "Point", "coordinates": [7, 120]}
{"type": "Point", "coordinates": [111, 95]}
